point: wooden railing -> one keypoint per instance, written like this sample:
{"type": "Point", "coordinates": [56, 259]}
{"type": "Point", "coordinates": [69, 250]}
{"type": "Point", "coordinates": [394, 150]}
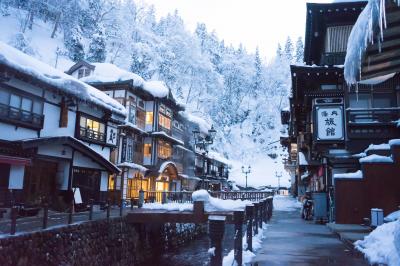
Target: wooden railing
{"type": "Point", "coordinates": [373, 115]}
{"type": "Point", "coordinates": [21, 117]}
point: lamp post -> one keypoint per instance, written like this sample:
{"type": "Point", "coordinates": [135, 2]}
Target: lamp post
{"type": "Point", "coordinates": [279, 179]}
{"type": "Point", "coordinates": [202, 142]}
{"type": "Point", "coordinates": [246, 172]}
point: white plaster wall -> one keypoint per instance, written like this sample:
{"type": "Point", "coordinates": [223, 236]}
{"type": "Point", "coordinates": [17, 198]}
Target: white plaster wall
{"type": "Point", "coordinates": [105, 152]}
{"type": "Point", "coordinates": [16, 180]}
{"type": "Point", "coordinates": [119, 93]}
{"type": "Point", "coordinates": [82, 161]}
{"type": "Point", "coordinates": [104, 181]}
{"type": "Point", "coordinates": [62, 175]}
{"type": "Point", "coordinates": [9, 132]}
{"type": "Point", "coordinates": [55, 151]}
{"type": "Point", "coordinates": [52, 122]}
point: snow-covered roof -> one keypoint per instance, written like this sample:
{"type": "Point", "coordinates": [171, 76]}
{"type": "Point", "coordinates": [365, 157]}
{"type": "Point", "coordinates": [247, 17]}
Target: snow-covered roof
{"type": "Point", "coordinates": [163, 134]}
{"type": "Point", "coordinates": [374, 158]}
{"type": "Point", "coordinates": [369, 24]}
{"type": "Point", "coordinates": [374, 147]}
{"type": "Point", "coordinates": [218, 157]}
{"type": "Point", "coordinates": [377, 80]}
{"type": "Point", "coordinates": [133, 126]}
{"type": "Point", "coordinates": [106, 72]}
{"type": "Point", "coordinates": [203, 125]}
{"type": "Point", "coordinates": [133, 166]}
{"type": "Point", "coordinates": [394, 142]}
{"type": "Point", "coordinates": [164, 165]}
{"type": "Point", "coordinates": [28, 65]}
{"type": "Point", "coordinates": [357, 174]}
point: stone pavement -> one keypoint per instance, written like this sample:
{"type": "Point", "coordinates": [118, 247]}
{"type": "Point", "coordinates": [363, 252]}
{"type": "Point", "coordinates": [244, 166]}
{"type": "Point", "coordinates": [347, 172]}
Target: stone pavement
{"type": "Point", "coordinates": [293, 241]}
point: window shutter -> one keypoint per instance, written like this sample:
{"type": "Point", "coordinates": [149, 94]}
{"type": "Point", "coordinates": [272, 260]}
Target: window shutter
{"type": "Point", "coordinates": [64, 114]}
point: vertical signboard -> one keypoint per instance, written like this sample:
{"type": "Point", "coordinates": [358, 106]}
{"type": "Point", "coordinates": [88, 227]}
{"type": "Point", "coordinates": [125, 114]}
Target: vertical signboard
{"type": "Point", "coordinates": [329, 122]}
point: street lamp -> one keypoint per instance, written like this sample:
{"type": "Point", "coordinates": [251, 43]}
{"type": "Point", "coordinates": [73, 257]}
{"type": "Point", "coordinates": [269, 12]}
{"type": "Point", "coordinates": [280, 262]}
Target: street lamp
{"type": "Point", "coordinates": [279, 179]}
{"type": "Point", "coordinates": [248, 171]}
{"type": "Point", "coordinates": [202, 142]}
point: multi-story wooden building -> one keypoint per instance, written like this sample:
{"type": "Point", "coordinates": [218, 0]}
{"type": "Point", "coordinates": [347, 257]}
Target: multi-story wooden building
{"type": "Point", "coordinates": [330, 122]}
{"type": "Point", "coordinates": [57, 134]}
{"type": "Point", "coordinates": [156, 149]}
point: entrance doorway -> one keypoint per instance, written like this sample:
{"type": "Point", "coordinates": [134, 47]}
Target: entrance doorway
{"type": "Point", "coordinates": [88, 182]}
{"type": "Point", "coordinates": [40, 182]}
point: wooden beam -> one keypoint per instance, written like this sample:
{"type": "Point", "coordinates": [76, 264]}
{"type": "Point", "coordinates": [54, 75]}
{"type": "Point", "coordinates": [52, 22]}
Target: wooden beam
{"type": "Point", "coordinates": [383, 46]}
{"type": "Point", "coordinates": [381, 57]}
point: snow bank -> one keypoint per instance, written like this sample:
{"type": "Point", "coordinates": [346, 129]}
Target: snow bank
{"type": "Point", "coordinates": [28, 65]}
{"type": "Point", "coordinates": [392, 217]}
{"type": "Point", "coordinates": [357, 174]}
{"type": "Point", "coordinates": [286, 203]}
{"type": "Point", "coordinates": [169, 206]}
{"type": "Point", "coordinates": [382, 246]}
{"type": "Point", "coordinates": [374, 158]}
{"type": "Point", "coordinates": [369, 24]}
{"type": "Point", "coordinates": [214, 204]}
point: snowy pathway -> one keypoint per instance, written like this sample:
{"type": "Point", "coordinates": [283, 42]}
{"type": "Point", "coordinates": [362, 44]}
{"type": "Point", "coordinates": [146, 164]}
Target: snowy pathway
{"type": "Point", "coordinates": [293, 241]}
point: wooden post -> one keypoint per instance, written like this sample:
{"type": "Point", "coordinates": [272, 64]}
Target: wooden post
{"type": "Point", "coordinates": [132, 200]}
{"type": "Point", "coordinates": [108, 209]}
{"type": "Point", "coordinates": [13, 220]}
{"type": "Point", "coordinates": [163, 197]}
{"type": "Point", "coordinates": [238, 245]}
{"type": "Point", "coordinates": [71, 210]}
{"type": "Point", "coordinates": [45, 214]}
{"type": "Point", "coordinates": [260, 214]}
{"type": "Point", "coordinates": [91, 209]}
{"type": "Point", "coordinates": [249, 229]}
{"type": "Point", "coordinates": [141, 198]}
{"type": "Point", "coordinates": [216, 228]}
{"type": "Point", "coordinates": [256, 207]}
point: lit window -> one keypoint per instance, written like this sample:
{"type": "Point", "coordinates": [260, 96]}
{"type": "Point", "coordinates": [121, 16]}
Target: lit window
{"type": "Point", "coordinates": [149, 118]}
{"type": "Point", "coordinates": [164, 150]}
{"type": "Point", "coordinates": [92, 129]}
{"type": "Point", "coordinates": [111, 182]}
{"type": "Point", "coordinates": [147, 150]}
{"type": "Point", "coordinates": [164, 121]}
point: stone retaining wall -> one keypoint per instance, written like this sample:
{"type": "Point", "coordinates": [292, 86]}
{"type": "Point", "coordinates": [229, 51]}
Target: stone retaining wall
{"type": "Point", "coordinates": [115, 242]}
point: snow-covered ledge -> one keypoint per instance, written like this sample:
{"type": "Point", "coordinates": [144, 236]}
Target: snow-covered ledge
{"type": "Point", "coordinates": [355, 175]}
{"type": "Point", "coordinates": [376, 159]}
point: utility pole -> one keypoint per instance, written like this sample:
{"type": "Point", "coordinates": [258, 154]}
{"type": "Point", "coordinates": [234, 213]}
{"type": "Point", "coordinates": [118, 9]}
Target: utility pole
{"type": "Point", "coordinates": [279, 179]}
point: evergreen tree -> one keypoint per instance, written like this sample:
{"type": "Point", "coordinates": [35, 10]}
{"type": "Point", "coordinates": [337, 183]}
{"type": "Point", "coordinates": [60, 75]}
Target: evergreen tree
{"type": "Point", "coordinates": [257, 79]}
{"type": "Point", "coordinates": [279, 51]}
{"type": "Point", "coordinates": [288, 51]}
{"type": "Point", "coordinates": [97, 47]}
{"type": "Point", "coordinates": [299, 53]}
{"type": "Point", "coordinates": [73, 43]}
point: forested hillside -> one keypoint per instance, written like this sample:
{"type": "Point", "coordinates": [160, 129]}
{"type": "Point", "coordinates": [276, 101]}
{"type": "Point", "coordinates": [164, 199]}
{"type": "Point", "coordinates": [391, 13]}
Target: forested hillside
{"type": "Point", "coordinates": [235, 89]}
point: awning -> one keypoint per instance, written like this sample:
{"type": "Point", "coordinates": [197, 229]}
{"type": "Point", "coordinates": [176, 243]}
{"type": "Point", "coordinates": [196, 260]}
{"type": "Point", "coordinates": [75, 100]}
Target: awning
{"type": "Point", "coordinates": [14, 160]}
{"type": "Point", "coordinates": [75, 144]}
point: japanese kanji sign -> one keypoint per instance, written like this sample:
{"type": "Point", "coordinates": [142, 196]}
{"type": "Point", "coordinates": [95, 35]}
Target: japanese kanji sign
{"type": "Point", "coordinates": [329, 123]}
{"type": "Point", "coordinates": [111, 135]}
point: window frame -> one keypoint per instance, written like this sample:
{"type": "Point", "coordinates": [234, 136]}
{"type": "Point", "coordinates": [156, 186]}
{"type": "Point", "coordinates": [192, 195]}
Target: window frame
{"type": "Point", "coordinates": [101, 136]}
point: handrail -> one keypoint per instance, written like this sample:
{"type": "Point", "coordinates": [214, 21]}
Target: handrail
{"type": "Point", "coordinates": [20, 116]}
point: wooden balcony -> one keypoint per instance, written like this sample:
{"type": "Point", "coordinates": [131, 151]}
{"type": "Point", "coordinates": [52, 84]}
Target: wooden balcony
{"type": "Point", "coordinates": [19, 117]}
{"type": "Point", "coordinates": [91, 135]}
{"type": "Point", "coordinates": [372, 123]}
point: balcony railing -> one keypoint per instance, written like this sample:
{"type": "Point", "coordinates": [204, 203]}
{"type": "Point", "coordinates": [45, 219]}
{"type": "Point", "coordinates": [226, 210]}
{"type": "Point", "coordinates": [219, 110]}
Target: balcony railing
{"type": "Point", "coordinates": [331, 59]}
{"type": "Point", "coordinates": [21, 117]}
{"type": "Point", "coordinates": [87, 133]}
{"type": "Point", "coordinates": [374, 116]}
{"type": "Point", "coordinates": [177, 134]}
{"type": "Point", "coordinates": [166, 130]}
{"type": "Point", "coordinates": [140, 123]}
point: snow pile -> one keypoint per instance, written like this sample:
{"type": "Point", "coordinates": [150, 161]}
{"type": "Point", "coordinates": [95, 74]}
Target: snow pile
{"type": "Point", "coordinates": [382, 246]}
{"type": "Point", "coordinates": [373, 147]}
{"type": "Point", "coordinates": [286, 203]}
{"type": "Point", "coordinates": [28, 65]}
{"type": "Point", "coordinates": [374, 158]}
{"type": "Point", "coordinates": [214, 204]}
{"type": "Point", "coordinates": [392, 217]}
{"type": "Point", "coordinates": [357, 174]}
{"type": "Point", "coordinates": [106, 72]}
{"type": "Point", "coordinates": [394, 142]}
{"type": "Point", "coordinates": [369, 24]}
{"type": "Point", "coordinates": [169, 206]}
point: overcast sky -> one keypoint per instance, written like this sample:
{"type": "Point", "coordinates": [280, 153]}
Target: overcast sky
{"type": "Point", "coordinates": [254, 23]}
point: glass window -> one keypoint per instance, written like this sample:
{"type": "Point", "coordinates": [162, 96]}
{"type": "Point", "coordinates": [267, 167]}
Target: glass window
{"type": "Point", "coordinates": [362, 100]}
{"type": "Point", "coordinates": [4, 97]}
{"type": "Point", "coordinates": [147, 150]}
{"type": "Point", "coordinates": [164, 150]}
{"type": "Point", "coordinates": [15, 101]}
{"type": "Point", "coordinates": [80, 73]}
{"type": "Point", "coordinates": [92, 129]}
{"type": "Point", "coordinates": [382, 100]}
{"type": "Point", "coordinates": [149, 118]}
{"type": "Point", "coordinates": [140, 103]}
{"type": "Point", "coordinates": [37, 108]}
{"type": "Point", "coordinates": [328, 87]}
{"type": "Point", "coordinates": [164, 121]}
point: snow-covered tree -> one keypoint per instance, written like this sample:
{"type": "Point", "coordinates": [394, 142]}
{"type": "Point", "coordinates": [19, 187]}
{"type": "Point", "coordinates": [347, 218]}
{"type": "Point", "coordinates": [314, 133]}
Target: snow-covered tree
{"type": "Point", "coordinates": [299, 53]}
{"type": "Point", "coordinates": [73, 42]}
{"type": "Point", "coordinates": [288, 50]}
{"type": "Point", "coordinates": [97, 47]}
